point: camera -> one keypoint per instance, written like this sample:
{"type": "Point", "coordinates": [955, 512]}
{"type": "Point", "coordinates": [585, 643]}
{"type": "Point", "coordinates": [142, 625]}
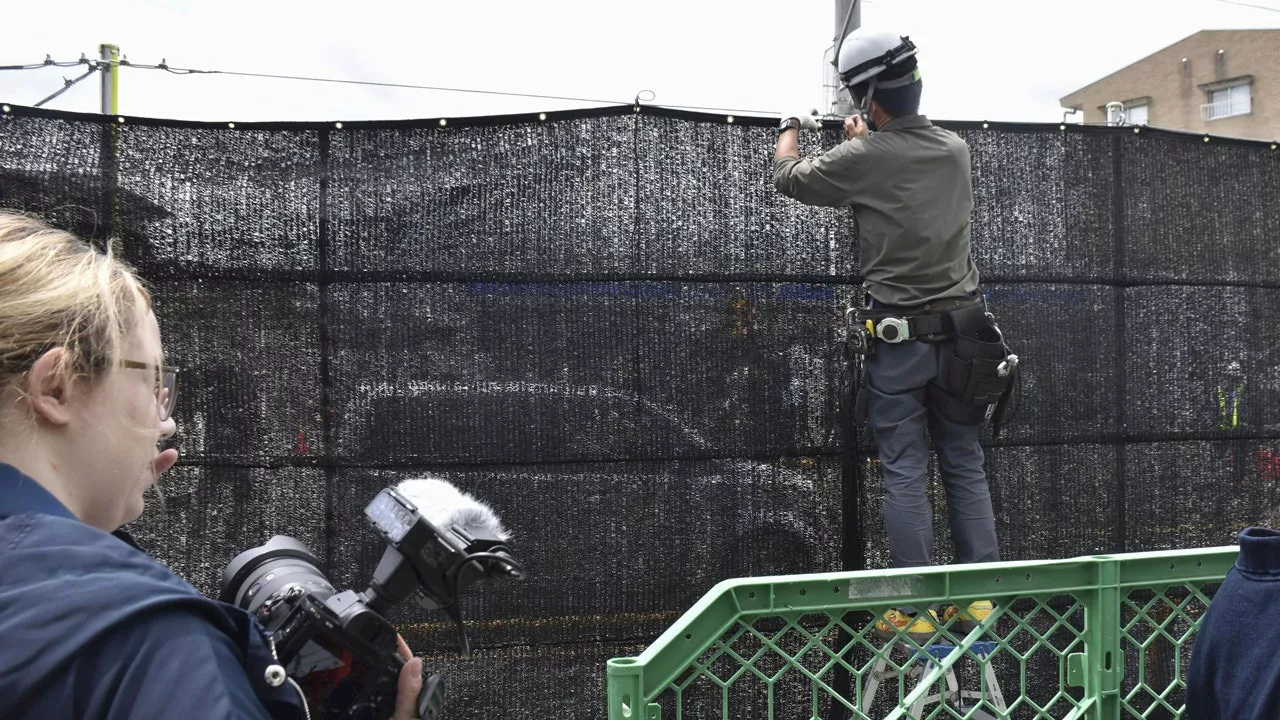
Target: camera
{"type": "Point", "coordinates": [343, 637]}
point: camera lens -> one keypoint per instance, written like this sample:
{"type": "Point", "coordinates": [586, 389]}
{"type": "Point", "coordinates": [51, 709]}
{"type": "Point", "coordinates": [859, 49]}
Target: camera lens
{"type": "Point", "coordinates": [257, 574]}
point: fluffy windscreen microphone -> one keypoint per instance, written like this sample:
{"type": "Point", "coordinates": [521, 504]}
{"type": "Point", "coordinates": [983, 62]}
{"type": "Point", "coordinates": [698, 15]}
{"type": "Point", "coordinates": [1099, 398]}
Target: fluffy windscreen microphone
{"type": "Point", "coordinates": [446, 506]}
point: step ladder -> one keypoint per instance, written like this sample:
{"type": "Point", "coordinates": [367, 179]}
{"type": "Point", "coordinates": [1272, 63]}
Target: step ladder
{"type": "Point", "coordinates": [979, 652]}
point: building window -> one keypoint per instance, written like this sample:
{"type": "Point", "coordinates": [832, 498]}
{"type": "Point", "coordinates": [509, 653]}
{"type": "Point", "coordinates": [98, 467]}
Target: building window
{"type": "Point", "coordinates": [1132, 112]}
{"type": "Point", "coordinates": [1229, 101]}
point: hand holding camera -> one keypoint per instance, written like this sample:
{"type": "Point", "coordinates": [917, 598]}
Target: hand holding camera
{"type": "Point", "coordinates": [339, 645]}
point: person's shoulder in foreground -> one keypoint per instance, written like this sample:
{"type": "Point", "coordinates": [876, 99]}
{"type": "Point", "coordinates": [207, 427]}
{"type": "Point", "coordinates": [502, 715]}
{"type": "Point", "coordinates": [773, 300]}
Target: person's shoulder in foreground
{"type": "Point", "coordinates": [1234, 672]}
{"type": "Point", "coordinates": [95, 628]}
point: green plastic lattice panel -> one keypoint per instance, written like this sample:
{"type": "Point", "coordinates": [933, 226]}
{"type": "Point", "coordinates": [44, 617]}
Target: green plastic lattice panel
{"type": "Point", "coordinates": [789, 666]}
{"type": "Point", "coordinates": [1158, 626]}
{"type": "Point", "coordinates": [1068, 639]}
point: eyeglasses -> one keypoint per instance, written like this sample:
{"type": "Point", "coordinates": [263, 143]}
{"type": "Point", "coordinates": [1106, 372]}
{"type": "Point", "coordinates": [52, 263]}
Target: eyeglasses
{"type": "Point", "coordinates": [166, 385]}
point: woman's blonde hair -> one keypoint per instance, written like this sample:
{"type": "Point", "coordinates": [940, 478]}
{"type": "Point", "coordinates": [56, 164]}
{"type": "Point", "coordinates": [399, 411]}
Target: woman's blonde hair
{"type": "Point", "coordinates": [58, 291]}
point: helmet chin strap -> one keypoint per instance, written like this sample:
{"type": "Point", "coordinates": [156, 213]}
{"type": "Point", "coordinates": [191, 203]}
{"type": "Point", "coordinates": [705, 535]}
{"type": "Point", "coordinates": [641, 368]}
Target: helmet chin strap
{"type": "Point", "coordinates": [865, 106]}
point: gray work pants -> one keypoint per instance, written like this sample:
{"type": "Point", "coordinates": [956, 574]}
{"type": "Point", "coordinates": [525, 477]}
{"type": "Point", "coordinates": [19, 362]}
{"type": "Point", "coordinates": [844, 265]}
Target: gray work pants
{"type": "Point", "coordinates": [905, 407]}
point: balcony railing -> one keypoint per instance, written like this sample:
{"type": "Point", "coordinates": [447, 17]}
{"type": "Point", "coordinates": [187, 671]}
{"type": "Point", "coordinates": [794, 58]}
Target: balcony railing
{"type": "Point", "coordinates": [1226, 108]}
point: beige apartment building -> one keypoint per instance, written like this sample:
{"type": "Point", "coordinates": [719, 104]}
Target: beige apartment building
{"type": "Point", "coordinates": [1218, 82]}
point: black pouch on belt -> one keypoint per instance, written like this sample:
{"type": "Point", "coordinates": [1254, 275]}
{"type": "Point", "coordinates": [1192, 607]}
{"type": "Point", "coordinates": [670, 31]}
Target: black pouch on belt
{"type": "Point", "coordinates": [860, 347]}
{"type": "Point", "coordinates": [976, 371]}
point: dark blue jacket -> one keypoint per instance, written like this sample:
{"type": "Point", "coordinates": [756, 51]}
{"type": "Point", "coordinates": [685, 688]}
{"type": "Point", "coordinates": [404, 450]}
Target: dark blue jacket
{"type": "Point", "coordinates": [92, 627]}
{"type": "Point", "coordinates": [1235, 665]}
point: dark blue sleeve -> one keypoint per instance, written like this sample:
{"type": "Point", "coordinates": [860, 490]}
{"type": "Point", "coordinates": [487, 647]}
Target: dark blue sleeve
{"type": "Point", "coordinates": [171, 664]}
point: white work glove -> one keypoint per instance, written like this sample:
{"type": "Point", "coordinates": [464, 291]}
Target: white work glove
{"type": "Point", "coordinates": [808, 120]}
{"type": "Point", "coordinates": [855, 127]}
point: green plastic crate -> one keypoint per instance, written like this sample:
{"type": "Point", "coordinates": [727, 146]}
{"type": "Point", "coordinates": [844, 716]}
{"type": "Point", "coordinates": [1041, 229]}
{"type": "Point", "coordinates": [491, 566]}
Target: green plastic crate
{"type": "Point", "coordinates": [1092, 637]}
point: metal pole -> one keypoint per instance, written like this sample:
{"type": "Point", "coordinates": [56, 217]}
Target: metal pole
{"type": "Point", "coordinates": [110, 55]}
{"type": "Point", "coordinates": [848, 19]}
{"type": "Point", "coordinates": [110, 66]}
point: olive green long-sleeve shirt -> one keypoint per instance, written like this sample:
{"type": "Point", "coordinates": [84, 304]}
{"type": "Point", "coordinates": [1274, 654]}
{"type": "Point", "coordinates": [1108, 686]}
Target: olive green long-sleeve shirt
{"type": "Point", "coordinates": [911, 190]}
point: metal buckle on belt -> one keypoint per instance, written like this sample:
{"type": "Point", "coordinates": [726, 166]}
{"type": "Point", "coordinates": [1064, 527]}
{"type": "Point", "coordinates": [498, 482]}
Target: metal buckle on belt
{"type": "Point", "coordinates": [893, 330]}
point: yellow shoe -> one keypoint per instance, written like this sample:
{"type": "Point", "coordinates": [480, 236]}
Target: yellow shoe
{"type": "Point", "coordinates": [919, 628]}
{"type": "Point", "coordinates": [966, 620]}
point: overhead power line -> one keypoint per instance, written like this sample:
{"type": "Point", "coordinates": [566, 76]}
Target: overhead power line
{"type": "Point", "coordinates": [50, 62]}
{"type": "Point", "coordinates": [163, 65]}
{"type": "Point", "coordinates": [1251, 5]}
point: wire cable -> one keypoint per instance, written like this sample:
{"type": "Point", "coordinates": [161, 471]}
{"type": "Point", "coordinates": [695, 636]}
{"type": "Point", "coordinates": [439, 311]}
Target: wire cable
{"type": "Point", "coordinates": [510, 565]}
{"type": "Point", "coordinates": [163, 65]}
{"type": "Point", "coordinates": [68, 85]}
{"type": "Point", "coordinates": [187, 71]}
{"type": "Point", "coordinates": [49, 62]}
{"type": "Point", "coordinates": [1250, 5]}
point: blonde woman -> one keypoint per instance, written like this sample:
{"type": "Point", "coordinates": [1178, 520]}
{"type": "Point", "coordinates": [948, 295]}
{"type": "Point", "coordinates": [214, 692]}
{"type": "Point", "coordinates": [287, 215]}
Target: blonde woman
{"type": "Point", "coordinates": [91, 626]}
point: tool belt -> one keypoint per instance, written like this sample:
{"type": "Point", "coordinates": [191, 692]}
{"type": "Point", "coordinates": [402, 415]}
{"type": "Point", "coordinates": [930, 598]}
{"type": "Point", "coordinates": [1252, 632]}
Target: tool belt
{"type": "Point", "coordinates": [932, 323]}
{"type": "Point", "coordinates": [978, 368]}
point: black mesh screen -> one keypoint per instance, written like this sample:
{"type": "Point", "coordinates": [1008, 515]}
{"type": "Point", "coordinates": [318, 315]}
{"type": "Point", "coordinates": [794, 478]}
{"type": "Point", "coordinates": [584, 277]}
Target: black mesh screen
{"type": "Point", "coordinates": [609, 326]}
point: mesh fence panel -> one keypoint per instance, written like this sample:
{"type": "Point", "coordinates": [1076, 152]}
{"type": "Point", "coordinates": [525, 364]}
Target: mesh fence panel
{"type": "Point", "coordinates": [246, 201]}
{"type": "Point", "coordinates": [609, 326]}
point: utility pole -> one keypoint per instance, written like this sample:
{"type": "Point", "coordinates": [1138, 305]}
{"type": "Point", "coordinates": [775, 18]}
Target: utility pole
{"type": "Point", "coordinates": [848, 19]}
{"type": "Point", "coordinates": [110, 55]}
{"type": "Point", "coordinates": [109, 65]}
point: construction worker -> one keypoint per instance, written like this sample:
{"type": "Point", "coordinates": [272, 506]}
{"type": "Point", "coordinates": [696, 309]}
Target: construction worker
{"type": "Point", "coordinates": [908, 183]}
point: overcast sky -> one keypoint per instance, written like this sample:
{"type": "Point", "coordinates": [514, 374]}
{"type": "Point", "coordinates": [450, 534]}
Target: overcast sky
{"type": "Point", "coordinates": [983, 59]}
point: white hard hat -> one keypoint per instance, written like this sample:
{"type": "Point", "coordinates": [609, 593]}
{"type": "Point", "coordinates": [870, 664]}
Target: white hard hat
{"type": "Point", "coordinates": [865, 54]}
